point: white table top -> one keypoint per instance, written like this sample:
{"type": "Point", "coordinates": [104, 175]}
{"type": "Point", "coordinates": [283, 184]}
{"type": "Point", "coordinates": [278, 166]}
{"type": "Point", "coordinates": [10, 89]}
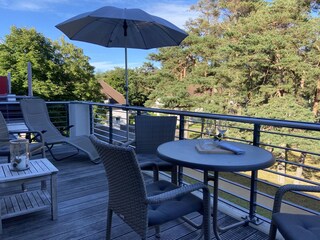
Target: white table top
{"type": "Point", "coordinates": [38, 167]}
{"type": "Point", "coordinates": [184, 153]}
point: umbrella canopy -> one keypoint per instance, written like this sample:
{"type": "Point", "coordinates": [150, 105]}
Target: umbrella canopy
{"type": "Point", "coordinates": [125, 28]}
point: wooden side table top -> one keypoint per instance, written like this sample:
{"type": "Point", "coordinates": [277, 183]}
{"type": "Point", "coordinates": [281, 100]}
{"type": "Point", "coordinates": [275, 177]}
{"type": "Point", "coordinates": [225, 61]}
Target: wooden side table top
{"type": "Point", "coordinates": [38, 167]}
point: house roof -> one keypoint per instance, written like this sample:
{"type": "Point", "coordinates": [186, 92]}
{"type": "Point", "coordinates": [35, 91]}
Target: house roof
{"type": "Point", "coordinates": [110, 92]}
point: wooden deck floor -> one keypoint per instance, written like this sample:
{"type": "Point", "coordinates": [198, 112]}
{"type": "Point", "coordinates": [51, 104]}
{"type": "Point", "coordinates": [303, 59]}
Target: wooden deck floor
{"type": "Point", "coordinates": [82, 196]}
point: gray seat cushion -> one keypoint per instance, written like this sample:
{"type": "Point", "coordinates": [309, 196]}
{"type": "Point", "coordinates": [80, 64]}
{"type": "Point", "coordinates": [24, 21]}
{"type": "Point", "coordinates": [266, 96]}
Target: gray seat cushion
{"type": "Point", "coordinates": [297, 227]}
{"type": "Point", "coordinates": [161, 213]}
{"type": "Point", "coordinates": [163, 165]}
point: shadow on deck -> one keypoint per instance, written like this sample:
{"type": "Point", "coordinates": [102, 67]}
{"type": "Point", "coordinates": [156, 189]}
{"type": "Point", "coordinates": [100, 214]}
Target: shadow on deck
{"type": "Point", "coordinates": [82, 196]}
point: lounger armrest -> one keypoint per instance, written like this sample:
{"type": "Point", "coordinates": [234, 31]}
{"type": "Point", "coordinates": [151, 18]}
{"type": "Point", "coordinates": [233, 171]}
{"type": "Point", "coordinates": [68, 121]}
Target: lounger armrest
{"type": "Point", "coordinates": [66, 128]}
{"type": "Point", "coordinates": [37, 135]}
{"type": "Point", "coordinates": [288, 188]}
{"type": "Point", "coordinates": [62, 130]}
{"type": "Point", "coordinates": [176, 193]}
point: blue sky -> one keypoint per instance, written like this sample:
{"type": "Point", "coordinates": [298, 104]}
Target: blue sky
{"type": "Point", "coordinates": [43, 15]}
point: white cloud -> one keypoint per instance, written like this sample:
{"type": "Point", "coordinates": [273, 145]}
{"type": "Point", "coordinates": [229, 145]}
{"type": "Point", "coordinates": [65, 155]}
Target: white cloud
{"type": "Point", "coordinates": [30, 5]}
{"type": "Point", "coordinates": [177, 13]}
{"type": "Point", "coordinates": [103, 66]}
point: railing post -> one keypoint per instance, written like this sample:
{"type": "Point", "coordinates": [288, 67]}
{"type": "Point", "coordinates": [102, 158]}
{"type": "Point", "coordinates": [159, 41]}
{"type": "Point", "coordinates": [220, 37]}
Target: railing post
{"type": "Point", "coordinates": [181, 137]}
{"type": "Point", "coordinates": [91, 119]}
{"type": "Point", "coordinates": [181, 127]}
{"type": "Point", "coordinates": [254, 178]}
{"type": "Point", "coordinates": [110, 125]}
{"type": "Point", "coordinates": [79, 117]}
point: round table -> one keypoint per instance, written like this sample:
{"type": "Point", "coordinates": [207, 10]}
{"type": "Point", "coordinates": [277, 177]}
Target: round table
{"type": "Point", "coordinates": [184, 153]}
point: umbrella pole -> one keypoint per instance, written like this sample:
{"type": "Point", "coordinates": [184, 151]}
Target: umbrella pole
{"type": "Point", "coordinates": [126, 76]}
{"type": "Point", "coordinates": [127, 90]}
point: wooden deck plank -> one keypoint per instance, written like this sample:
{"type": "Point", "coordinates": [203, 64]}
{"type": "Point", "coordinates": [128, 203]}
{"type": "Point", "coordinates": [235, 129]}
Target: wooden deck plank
{"type": "Point", "coordinates": [82, 202]}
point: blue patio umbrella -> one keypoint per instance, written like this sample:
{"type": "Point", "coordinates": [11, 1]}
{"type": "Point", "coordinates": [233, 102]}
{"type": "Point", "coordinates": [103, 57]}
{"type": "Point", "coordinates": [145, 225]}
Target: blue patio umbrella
{"type": "Point", "coordinates": [125, 28]}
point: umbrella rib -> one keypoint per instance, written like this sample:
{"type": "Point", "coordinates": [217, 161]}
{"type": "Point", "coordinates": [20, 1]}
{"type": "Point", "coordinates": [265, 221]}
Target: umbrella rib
{"type": "Point", "coordinates": [113, 30]}
{"type": "Point", "coordinates": [159, 26]}
{"type": "Point", "coordinates": [163, 30]}
{"type": "Point", "coordinates": [79, 30]}
{"type": "Point", "coordinates": [145, 43]}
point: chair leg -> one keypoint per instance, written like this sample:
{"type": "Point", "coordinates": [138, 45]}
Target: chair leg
{"type": "Point", "coordinates": [59, 159]}
{"type": "Point", "coordinates": [273, 231]}
{"type": "Point", "coordinates": [157, 231]}
{"type": "Point", "coordinates": [109, 224]}
{"type": "Point", "coordinates": [174, 175]}
{"type": "Point", "coordinates": [155, 174]}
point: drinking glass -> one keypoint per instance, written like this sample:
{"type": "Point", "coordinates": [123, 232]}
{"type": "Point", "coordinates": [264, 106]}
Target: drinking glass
{"type": "Point", "coordinates": [222, 127]}
{"type": "Point", "coordinates": [209, 127]}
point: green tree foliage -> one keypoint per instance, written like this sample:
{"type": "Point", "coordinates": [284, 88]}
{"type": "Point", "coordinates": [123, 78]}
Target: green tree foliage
{"type": "Point", "coordinates": [141, 82]}
{"type": "Point", "coordinates": [242, 55]}
{"type": "Point", "coordinates": [60, 71]}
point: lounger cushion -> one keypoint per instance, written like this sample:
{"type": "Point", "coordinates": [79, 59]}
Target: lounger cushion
{"type": "Point", "coordinates": [297, 227]}
{"type": "Point", "coordinates": [161, 213]}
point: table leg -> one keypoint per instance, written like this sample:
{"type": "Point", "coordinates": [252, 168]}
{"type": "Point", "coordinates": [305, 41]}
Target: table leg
{"type": "Point", "coordinates": [206, 198]}
{"type": "Point", "coordinates": [215, 205]}
{"type": "Point", "coordinates": [0, 219]}
{"type": "Point", "coordinates": [43, 185]}
{"type": "Point", "coordinates": [54, 203]}
{"type": "Point", "coordinates": [216, 228]}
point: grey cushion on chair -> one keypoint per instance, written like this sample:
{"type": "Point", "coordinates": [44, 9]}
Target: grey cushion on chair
{"type": "Point", "coordinates": [145, 158]}
{"type": "Point", "coordinates": [164, 212]}
{"type": "Point", "coordinates": [295, 226]}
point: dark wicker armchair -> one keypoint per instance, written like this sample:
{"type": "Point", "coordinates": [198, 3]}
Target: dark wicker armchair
{"type": "Point", "coordinates": [150, 132]}
{"type": "Point", "coordinates": [294, 226]}
{"type": "Point", "coordinates": [140, 205]}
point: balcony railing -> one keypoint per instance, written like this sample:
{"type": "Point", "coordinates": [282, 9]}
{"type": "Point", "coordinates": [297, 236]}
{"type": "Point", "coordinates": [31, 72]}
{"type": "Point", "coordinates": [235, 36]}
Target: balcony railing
{"type": "Point", "coordinates": [294, 145]}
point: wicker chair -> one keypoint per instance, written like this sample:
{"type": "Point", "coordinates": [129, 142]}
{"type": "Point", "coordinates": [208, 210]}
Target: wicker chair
{"type": "Point", "coordinates": [140, 205]}
{"type": "Point", "coordinates": [294, 226]}
{"type": "Point", "coordinates": [150, 132]}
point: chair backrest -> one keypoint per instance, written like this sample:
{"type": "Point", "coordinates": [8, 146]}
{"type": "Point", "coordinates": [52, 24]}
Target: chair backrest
{"type": "Point", "coordinates": [4, 133]}
{"type": "Point", "coordinates": [127, 191]}
{"type": "Point", "coordinates": [36, 117]}
{"type": "Point", "coordinates": [152, 131]}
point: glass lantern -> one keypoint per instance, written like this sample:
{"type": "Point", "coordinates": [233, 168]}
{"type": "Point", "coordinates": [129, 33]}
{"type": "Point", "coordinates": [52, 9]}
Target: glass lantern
{"type": "Point", "coordinates": [19, 154]}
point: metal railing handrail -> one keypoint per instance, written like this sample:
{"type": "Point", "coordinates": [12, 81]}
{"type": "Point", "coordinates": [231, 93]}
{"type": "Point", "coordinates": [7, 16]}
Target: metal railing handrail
{"type": "Point", "coordinates": [243, 119]}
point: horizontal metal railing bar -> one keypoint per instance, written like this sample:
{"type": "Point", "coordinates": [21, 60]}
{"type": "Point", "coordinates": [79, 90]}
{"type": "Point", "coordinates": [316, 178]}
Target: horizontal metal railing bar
{"type": "Point", "coordinates": [243, 119]}
{"type": "Point", "coordinates": [289, 135]}
{"type": "Point", "coordinates": [292, 177]}
{"type": "Point", "coordinates": [299, 207]}
{"type": "Point", "coordinates": [299, 165]}
{"type": "Point", "coordinates": [289, 149]}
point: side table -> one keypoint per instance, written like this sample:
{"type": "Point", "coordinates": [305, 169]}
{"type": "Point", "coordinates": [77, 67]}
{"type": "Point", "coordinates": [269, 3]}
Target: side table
{"type": "Point", "coordinates": [29, 201]}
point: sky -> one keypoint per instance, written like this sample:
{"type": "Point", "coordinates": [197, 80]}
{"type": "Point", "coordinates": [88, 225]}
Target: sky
{"type": "Point", "coordinates": [43, 15]}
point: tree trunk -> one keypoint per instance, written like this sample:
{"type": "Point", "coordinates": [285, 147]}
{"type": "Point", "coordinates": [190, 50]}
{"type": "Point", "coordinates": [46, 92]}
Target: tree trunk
{"type": "Point", "coordinates": [300, 168]}
{"type": "Point", "coordinates": [315, 108]}
{"type": "Point", "coordinates": [282, 166]}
